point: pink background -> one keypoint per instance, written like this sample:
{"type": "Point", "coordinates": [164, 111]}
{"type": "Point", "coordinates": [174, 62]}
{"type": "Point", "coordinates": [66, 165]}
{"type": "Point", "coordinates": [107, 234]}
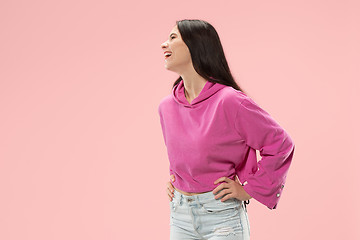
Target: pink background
{"type": "Point", "coordinates": [81, 150]}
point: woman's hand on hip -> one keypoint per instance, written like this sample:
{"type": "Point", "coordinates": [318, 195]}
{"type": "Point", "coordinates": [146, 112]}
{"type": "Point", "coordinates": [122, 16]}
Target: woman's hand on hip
{"type": "Point", "coordinates": [170, 187]}
{"type": "Point", "coordinates": [232, 189]}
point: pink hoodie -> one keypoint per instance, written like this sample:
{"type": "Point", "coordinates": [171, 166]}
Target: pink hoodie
{"type": "Point", "coordinates": [217, 135]}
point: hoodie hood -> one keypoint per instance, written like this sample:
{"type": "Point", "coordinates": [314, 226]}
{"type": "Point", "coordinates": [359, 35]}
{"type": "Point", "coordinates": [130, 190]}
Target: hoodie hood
{"type": "Point", "coordinates": [209, 89]}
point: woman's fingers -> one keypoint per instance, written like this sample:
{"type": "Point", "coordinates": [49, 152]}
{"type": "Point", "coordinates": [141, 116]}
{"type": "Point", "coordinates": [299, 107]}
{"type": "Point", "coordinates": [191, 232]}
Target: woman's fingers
{"type": "Point", "coordinates": [170, 193]}
{"type": "Point", "coordinates": [170, 187]}
{"type": "Point", "coordinates": [170, 190]}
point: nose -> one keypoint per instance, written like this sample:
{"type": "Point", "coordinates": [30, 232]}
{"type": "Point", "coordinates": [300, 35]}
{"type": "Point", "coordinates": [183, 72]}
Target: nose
{"type": "Point", "coordinates": [163, 45]}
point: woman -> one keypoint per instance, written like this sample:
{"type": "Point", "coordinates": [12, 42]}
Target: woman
{"type": "Point", "coordinates": [212, 129]}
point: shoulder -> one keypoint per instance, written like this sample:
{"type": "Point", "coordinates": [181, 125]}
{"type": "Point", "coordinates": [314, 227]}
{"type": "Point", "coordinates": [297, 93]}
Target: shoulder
{"type": "Point", "coordinates": [232, 97]}
{"type": "Point", "coordinates": [165, 101]}
{"type": "Point", "coordinates": [237, 101]}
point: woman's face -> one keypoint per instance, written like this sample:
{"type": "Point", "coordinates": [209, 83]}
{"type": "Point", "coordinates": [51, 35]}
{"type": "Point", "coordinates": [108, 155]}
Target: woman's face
{"type": "Point", "coordinates": [180, 59]}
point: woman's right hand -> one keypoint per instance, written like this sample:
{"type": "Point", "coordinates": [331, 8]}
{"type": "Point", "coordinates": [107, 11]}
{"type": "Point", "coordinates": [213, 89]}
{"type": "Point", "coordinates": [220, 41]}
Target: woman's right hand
{"type": "Point", "coordinates": [170, 187]}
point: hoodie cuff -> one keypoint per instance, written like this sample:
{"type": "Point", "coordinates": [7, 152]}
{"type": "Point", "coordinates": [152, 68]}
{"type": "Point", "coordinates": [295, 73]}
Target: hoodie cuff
{"type": "Point", "coordinates": [269, 201]}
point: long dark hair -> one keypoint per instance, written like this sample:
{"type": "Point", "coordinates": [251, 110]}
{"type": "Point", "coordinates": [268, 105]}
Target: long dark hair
{"type": "Point", "coordinates": [206, 51]}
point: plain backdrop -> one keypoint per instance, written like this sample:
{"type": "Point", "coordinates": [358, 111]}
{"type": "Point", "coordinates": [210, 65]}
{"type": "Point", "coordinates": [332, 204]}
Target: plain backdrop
{"type": "Point", "coordinates": [82, 154]}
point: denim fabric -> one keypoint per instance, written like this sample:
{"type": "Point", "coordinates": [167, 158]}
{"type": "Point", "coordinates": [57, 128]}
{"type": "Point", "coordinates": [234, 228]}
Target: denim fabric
{"type": "Point", "coordinates": [202, 216]}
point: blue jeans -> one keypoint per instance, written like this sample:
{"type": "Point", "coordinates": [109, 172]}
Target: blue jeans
{"type": "Point", "coordinates": [202, 216]}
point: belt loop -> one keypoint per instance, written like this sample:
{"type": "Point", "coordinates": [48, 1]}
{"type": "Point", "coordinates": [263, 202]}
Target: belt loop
{"type": "Point", "coordinates": [197, 200]}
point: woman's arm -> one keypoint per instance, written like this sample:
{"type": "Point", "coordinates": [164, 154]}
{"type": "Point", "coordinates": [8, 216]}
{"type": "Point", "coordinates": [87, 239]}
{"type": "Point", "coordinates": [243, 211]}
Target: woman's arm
{"type": "Point", "coordinates": [260, 131]}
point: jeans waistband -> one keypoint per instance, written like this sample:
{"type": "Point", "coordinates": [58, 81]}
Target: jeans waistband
{"type": "Point", "coordinates": [201, 197]}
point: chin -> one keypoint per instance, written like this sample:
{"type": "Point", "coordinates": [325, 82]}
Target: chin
{"type": "Point", "coordinates": [168, 67]}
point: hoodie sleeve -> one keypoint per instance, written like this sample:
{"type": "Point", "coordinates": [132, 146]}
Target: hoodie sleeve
{"type": "Point", "coordinates": [163, 132]}
{"type": "Point", "coordinates": [162, 124]}
{"type": "Point", "coordinates": [260, 131]}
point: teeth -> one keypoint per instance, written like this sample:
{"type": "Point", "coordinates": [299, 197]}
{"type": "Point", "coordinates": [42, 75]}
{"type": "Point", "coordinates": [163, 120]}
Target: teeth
{"type": "Point", "coordinates": [167, 54]}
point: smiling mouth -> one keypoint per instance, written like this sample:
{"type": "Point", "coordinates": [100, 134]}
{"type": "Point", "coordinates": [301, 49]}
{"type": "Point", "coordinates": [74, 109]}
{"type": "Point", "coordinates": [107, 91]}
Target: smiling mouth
{"type": "Point", "coordinates": [167, 55]}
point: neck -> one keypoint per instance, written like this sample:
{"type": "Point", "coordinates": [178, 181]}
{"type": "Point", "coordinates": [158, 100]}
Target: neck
{"type": "Point", "coordinates": [193, 82]}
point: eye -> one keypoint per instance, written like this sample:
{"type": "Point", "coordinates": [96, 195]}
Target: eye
{"type": "Point", "coordinates": [172, 37]}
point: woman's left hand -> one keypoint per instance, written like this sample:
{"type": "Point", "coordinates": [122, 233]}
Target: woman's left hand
{"type": "Point", "coordinates": [232, 188]}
